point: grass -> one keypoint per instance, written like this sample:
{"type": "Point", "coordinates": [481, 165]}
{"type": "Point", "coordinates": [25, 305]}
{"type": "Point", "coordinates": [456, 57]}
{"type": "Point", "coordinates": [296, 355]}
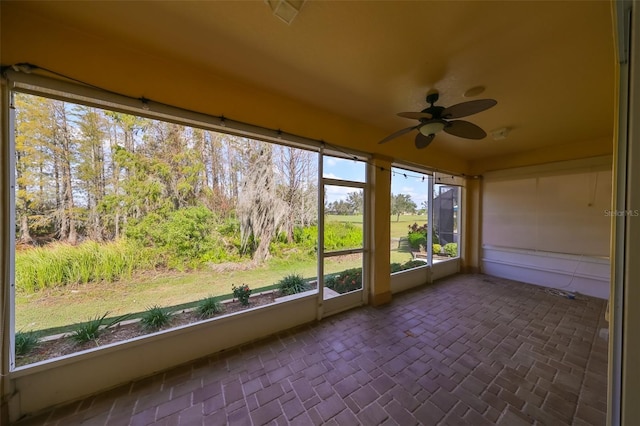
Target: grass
{"type": "Point", "coordinates": [63, 264]}
{"type": "Point", "coordinates": [398, 228]}
{"type": "Point", "coordinates": [57, 308]}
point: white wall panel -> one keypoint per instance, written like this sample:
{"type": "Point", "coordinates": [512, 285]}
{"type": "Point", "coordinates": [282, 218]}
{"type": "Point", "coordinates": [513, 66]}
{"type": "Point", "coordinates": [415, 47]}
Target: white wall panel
{"type": "Point", "coordinates": [550, 225]}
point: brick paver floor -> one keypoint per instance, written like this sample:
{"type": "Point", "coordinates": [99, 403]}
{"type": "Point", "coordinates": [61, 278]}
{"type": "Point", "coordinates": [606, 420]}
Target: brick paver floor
{"type": "Point", "coordinates": [467, 350]}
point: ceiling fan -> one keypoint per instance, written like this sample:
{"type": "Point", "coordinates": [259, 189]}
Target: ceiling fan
{"type": "Point", "coordinates": [436, 118]}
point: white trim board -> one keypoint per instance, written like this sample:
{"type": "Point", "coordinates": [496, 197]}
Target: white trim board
{"type": "Point", "coordinates": [582, 274]}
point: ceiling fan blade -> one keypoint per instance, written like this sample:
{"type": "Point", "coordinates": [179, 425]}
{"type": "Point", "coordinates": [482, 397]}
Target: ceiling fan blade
{"type": "Point", "coordinates": [468, 108]}
{"type": "Point", "coordinates": [465, 129]}
{"type": "Point", "coordinates": [399, 133]}
{"type": "Point", "coordinates": [423, 141]}
{"type": "Point", "coordinates": [416, 115]}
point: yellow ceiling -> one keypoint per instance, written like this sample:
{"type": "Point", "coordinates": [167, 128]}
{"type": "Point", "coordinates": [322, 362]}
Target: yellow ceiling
{"type": "Point", "coordinates": [343, 69]}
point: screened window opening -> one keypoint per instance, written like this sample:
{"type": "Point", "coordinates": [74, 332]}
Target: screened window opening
{"type": "Point", "coordinates": [409, 220]}
{"type": "Point", "coordinates": [127, 226]}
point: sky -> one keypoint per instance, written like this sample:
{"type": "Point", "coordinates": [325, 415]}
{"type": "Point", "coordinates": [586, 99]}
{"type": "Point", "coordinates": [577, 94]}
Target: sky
{"type": "Point", "coordinates": [338, 168]}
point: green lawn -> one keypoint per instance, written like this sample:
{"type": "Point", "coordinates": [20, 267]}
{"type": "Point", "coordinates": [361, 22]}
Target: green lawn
{"type": "Point", "coordinates": [401, 227]}
{"type": "Point", "coordinates": [398, 228]}
{"type": "Point", "coordinates": [74, 304]}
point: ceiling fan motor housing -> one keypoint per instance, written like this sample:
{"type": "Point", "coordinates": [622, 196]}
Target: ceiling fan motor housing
{"type": "Point", "coordinates": [435, 119]}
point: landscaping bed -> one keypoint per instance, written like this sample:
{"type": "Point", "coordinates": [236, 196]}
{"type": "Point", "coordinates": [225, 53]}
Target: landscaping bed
{"type": "Point", "coordinates": [57, 346]}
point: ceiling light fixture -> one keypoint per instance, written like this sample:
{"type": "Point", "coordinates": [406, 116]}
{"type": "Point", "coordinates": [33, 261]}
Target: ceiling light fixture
{"type": "Point", "coordinates": [286, 10]}
{"type": "Point", "coordinates": [500, 134]}
{"type": "Point", "coordinates": [432, 127]}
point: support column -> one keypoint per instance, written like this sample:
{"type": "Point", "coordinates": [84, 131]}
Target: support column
{"type": "Point", "coordinates": [471, 254]}
{"type": "Point", "coordinates": [380, 214]}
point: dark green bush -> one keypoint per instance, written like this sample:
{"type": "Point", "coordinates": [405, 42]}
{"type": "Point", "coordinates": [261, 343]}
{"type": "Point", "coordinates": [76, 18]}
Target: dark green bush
{"type": "Point", "coordinates": [345, 281]}
{"type": "Point", "coordinates": [292, 284]}
{"type": "Point", "coordinates": [185, 237]}
{"type": "Point", "coordinates": [422, 229]}
{"type": "Point", "coordinates": [417, 240]}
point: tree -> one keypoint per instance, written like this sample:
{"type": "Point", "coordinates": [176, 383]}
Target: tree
{"type": "Point", "coordinates": [64, 149]}
{"type": "Point", "coordinates": [296, 189]}
{"type": "Point", "coordinates": [259, 209]}
{"type": "Point", "coordinates": [91, 168]}
{"type": "Point", "coordinates": [355, 201]}
{"type": "Point", "coordinates": [400, 204]}
{"type": "Point", "coordinates": [31, 132]}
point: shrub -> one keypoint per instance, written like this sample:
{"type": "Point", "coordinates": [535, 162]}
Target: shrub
{"type": "Point", "coordinates": [437, 249]}
{"type": "Point", "coordinates": [185, 237]}
{"type": "Point", "coordinates": [422, 229]}
{"type": "Point", "coordinates": [417, 240]}
{"type": "Point", "coordinates": [342, 235]}
{"type": "Point", "coordinates": [155, 318]}
{"type": "Point", "coordinates": [306, 237]}
{"type": "Point", "coordinates": [209, 307]}
{"type": "Point", "coordinates": [91, 329]}
{"type": "Point", "coordinates": [397, 267]}
{"type": "Point", "coordinates": [242, 293]}
{"type": "Point", "coordinates": [345, 281]}
{"type": "Point", "coordinates": [26, 342]}
{"type": "Point", "coordinates": [451, 249]}
{"type": "Point", "coordinates": [292, 284]}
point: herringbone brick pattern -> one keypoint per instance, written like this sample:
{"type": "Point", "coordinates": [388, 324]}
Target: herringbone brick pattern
{"type": "Point", "coordinates": [468, 350]}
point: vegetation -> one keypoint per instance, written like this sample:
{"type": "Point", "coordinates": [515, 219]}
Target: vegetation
{"type": "Point", "coordinates": [417, 240]}
{"type": "Point", "coordinates": [345, 281]}
{"type": "Point", "coordinates": [417, 236]}
{"type": "Point", "coordinates": [60, 264]}
{"type": "Point", "coordinates": [397, 267]}
{"type": "Point", "coordinates": [209, 307]}
{"type": "Point", "coordinates": [242, 293]}
{"type": "Point", "coordinates": [437, 248]}
{"type": "Point", "coordinates": [352, 205]}
{"type": "Point", "coordinates": [87, 174]}
{"type": "Point", "coordinates": [25, 342]}
{"type": "Point", "coordinates": [155, 318]}
{"type": "Point", "coordinates": [402, 203]}
{"type": "Point", "coordinates": [110, 205]}
{"type": "Point", "coordinates": [451, 249]}
{"type": "Point", "coordinates": [91, 329]}
{"type": "Point", "coordinates": [292, 284]}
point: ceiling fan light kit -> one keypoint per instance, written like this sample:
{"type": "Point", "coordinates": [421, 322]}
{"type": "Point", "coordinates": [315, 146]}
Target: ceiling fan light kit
{"type": "Point", "coordinates": [435, 119]}
{"type": "Point", "coordinates": [432, 127]}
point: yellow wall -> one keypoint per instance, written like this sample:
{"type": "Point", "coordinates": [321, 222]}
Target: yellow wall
{"type": "Point", "coordinates": [116, 67]}
{"type": "Point", "coordinates": [27, 37]}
